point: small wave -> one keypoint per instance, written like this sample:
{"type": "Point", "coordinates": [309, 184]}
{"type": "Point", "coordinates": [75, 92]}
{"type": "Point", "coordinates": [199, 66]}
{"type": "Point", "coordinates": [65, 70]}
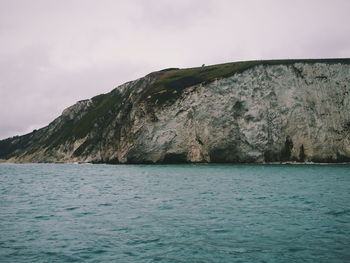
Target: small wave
{"type": "Point", "coordinates": [143, 241]}
{"type": "Point", "coordinates": [99, 251]}
{"type": "Point", "coordinates": [129, 253]}
{"type": "Point", "coordinates": [338, 213]}
{"type": "Point", "coordinates": [165, 207]}
{"type": "Point", "coordinates": [221, 231]}
{"type": "Point", "coordinates": [45, 217]}
{"type": "Point", "coordinates": [296, 249]}
{"type": "Point", "coordinates": [260, 197]}
{"type": "Point", "coordinates": [84, 214]}
{"type": "Point", "coordinates": [206, 193]}
{"type": "Point", "coordinates": [72, 208]}
{"type": "Point", "coordinates": [238, 250]}
{"type": "Point", "coordinates": [61, 257]}
{"type": "Point", "coordinates": [105, 204]}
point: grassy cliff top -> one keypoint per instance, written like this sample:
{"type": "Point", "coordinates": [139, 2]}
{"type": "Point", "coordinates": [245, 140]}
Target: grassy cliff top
{"type": "Point", "coordinates": [172, 81]}
{"type": "Point", "coordinates": [167, 88]}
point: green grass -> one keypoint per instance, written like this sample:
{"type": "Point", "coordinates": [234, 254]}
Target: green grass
{"type": "Point", "coordinates": [100, 113]}
{"type": "Point", "coordinates": [172, 82]}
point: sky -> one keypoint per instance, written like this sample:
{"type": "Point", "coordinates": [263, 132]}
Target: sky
{"type": "Point", "coordinates": [54, 53]}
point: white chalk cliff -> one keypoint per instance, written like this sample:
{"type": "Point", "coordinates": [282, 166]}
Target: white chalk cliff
{"type": "Point", "coordinates": [265, 112]}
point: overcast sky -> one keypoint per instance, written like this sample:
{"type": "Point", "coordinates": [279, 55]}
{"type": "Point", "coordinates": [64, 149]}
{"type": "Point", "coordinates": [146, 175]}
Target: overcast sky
{"type": "Point", "coordinates": [54, 53]}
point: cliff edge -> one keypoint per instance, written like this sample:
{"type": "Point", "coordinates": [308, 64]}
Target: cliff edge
{"type": "Point", "coordinates": [242, 112]}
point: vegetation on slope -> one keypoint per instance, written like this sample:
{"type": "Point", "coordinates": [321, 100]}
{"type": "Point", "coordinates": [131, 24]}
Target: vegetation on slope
{"type": "Point", "coordinates": [166, 88]}
{"type": "Point", "coordinates": [172, 82]}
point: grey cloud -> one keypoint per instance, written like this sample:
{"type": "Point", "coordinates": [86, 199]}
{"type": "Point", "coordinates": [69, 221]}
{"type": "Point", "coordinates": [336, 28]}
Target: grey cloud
{"type": "Point", "coordinates": [173, 15]}
{"type": "Point", "coordinates": [54, 53]}
{"type": "Point", "coordinates": [33, 92]}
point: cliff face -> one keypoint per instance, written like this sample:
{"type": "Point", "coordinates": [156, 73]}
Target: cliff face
{"type": "Point", "coordinates": [259, 111]}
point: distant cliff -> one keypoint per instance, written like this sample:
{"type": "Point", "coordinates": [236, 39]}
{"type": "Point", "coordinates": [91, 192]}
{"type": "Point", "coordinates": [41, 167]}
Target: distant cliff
{"type": "Point", "coordinates": [255, 112]}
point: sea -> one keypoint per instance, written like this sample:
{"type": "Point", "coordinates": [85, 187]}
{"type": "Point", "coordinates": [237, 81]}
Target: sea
{"type": "Point", "coordinates": [174, 213]}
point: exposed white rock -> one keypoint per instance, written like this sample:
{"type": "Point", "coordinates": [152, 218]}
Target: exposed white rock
{"type": "Point", "coordinates": [249, 116]}
{"type": "Point", "coordinates": [268, 113]}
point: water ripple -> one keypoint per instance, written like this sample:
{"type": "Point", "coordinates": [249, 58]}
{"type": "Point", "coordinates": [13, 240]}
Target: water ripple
{"type": "Point", "coordinates": [174, 213]}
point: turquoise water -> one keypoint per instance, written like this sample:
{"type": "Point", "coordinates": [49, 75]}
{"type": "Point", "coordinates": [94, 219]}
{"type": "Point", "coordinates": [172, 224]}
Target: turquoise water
{"type": "Point", "coordinates": [174, 213]}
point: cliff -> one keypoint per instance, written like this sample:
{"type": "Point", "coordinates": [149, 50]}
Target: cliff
{"type": "Point", "coordinates": [255, 111]}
